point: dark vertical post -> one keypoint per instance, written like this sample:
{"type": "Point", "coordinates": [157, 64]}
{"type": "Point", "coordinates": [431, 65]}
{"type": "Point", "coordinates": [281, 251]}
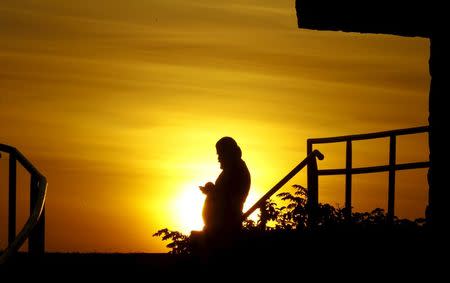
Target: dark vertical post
{"type": "Point", "coordinates": [12, 198]}
{"type": "Point", "coordinates": [391, 193]}
{"type": "Point", "coordinates": [310, 174]}
{"type": "Point", "coordinates": [348, 181]}
{"type": "Point", "coordinates": [309, 150]}
{"type": "Point", "coordinates": [313, 187]}
{"type": "Point", "coordinates": [36, 242]}
{"type": "Point", "coordinates": [309, 147]}
{"type": "Point", "coordinates": [313, 183]}
{"type": "Point", "coordinates": [438, 213]}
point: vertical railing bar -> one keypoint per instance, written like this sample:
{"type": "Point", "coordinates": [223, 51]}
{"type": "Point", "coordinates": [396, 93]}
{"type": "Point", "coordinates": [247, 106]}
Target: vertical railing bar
{"type": "Point", "coordinates": [391, 190]}
{"type": "Point", "coordinates": [309, 149]}
{"type": "Point", "coordinates": [33, 198]}
{"type": "Point", "coordinates": [40, 231]}
{"type": "Point", "coordinates": [348, 181]}
{"type": "Point", "coordinates": [313, 187]}
{"type": "Point", "coordinates": [36, 241]}
{"type": "Point", "coordinates": [12, 198]}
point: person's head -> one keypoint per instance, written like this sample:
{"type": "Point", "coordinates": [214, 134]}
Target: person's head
{"type": "Point", "coordinates": [228, 151]}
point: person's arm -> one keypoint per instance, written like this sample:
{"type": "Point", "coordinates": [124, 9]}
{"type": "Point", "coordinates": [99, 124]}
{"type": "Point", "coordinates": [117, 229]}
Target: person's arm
{"type": "Point", "coordinates": [207, 188]}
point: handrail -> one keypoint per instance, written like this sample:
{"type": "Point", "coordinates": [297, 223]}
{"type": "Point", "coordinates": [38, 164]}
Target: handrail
{"type": "Point", "coordinates": [37, 203]}
{"type": "Point", "coordinates": [375, 135]}
{"type": "Point", "coordinates": [283, 181]}
{"type": "Point", "coordinates": [21, 158]}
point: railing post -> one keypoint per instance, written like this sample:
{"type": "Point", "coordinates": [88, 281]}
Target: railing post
{"type": "Point", "coordinates": [310, 175]}
{"type": "Point", "coordinates": [391, 192]}
{"type": "Point", "coordinates": [36, 241]}
{"type": "Point", "coordinates": [313, 187]}
{"type": "Point", "coordinates": [12, 199]}
{"type": "Point", "coordinates": [348, 182]}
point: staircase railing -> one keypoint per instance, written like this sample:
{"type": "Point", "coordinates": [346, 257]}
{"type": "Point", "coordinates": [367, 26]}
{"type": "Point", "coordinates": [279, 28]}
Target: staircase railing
{"type": "Point", "coordinates": [348, 171]}
{"type": "Point", "coordinates": [309, 161]}
{"type": "Point", "coordinates": [34, 228]}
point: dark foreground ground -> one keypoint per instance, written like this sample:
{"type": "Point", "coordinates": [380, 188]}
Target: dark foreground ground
{"type": "Point", "coordinates": [339, 256]}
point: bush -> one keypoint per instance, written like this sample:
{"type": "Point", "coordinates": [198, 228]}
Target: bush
{"type": "Point", "coordinates": [295, 217]}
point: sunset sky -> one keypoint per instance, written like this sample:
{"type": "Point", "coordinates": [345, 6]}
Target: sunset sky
{"type": "Point", "coordinates": [120, 103]}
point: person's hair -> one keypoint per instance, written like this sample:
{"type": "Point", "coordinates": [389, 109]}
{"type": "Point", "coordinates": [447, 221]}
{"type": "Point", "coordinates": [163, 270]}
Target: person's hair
{"type": "Point", "coordinates": [229, 148]}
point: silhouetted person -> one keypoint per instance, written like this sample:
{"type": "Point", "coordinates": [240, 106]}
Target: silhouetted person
{"type": "Point", "coordinates": [222, 209]}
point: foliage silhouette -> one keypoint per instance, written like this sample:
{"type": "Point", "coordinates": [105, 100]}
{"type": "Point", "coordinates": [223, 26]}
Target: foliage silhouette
{"type": "Point", "coordinates": [294, 217]}
{"type": "Point", "coordinates": [179, 244]}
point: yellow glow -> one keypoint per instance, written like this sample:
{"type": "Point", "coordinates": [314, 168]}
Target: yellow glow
{"type": "Point", "coordinates": [187, 208]}
{"type": "Point", "coordinates": [252, 198]}
{"type": "Point", "coordinates": [188, 204]}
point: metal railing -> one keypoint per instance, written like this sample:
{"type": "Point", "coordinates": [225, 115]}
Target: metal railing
{"type": "Point", "coordinates": [348, 171]}
{"type": "Point", "coordinates": [34, 228]}
{"type": "Point", "coordinates": [309, 161]}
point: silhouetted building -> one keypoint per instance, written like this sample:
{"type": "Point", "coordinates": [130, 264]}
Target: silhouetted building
{"type": "Point", "coordinates": [404, 18]}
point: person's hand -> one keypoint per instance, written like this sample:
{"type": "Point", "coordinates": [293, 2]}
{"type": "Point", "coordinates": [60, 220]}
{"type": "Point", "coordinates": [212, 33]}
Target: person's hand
{"type": "Point", "coordinates": [208, 187]}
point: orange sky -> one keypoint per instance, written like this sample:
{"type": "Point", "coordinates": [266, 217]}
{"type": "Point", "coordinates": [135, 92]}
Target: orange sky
{"type": "Point", "coordinates": [120, 103]}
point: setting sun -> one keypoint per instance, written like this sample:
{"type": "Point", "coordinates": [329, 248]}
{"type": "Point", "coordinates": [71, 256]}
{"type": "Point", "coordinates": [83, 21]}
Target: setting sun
{"type": "Point", "coordinates": [188, 208]}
